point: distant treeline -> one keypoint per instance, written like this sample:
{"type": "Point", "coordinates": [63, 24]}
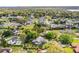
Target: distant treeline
{"type": "Point", "coordinates": [37, 12]}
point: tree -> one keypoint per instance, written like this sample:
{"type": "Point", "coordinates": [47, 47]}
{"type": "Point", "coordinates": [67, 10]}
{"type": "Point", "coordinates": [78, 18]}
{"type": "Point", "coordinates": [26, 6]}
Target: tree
{"type": "Point", "coordinates": [53, 47]}
{"type": "Point", "coordinates": [38, 27]}
{"type": "Point", "coordinates": [21, 20]}
{"type": "Point", "coordinates": [22, 36]}
{"type": "Point", "coordinates": [7, 33]}
{"type": "Point", "coordinates": [66, 38]}
{"type": "Point", "coordinates": [4, 43]}
{"type": "Point", "coordinates": [1, 33]}
{"type": "Point", "coordinates": [57, 21]}
{"type": "Point", "coordinates": [27, 28]}
{"type": "Point", "coordinates": [51, 35]}
{"type": "Point", "coordinates": [31, 35]}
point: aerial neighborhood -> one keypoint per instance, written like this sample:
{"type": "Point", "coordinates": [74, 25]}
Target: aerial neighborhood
{"type": "Point", "coordinates": [39, 30]}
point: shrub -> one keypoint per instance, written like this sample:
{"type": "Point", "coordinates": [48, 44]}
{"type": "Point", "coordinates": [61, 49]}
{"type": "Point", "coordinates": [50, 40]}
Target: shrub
{"type": "Point", "coordinates": [4, 43]}
{"type": "Point", "coordinates": [53, 47]}
{"type": "Point", "coordinates": [22, 36]}
{"type": "Point", "coordinates": [31, 35]}
{"type": "Point", "coordinates": [38, 28]}
{"type": "Point", "coordinates": [7, 33]}
{"type": "Point", "coordinates": [51, 35]}
{"type": "Point", "coordinates": [66, 38]}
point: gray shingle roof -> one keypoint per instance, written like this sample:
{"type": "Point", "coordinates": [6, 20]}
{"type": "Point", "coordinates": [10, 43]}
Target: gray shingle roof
{"type": "Point", "coordinates": [40, 40]}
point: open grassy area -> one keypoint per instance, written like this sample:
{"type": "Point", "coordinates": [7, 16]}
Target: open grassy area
{"type": "Point", "coordinates": [16, 49]}
{"type": "Point", "coordinates": [75, 41]}
{"type": "Point", "coordinates": [68, 50]}
{"type": "Point", "coordinates": [8, 38]}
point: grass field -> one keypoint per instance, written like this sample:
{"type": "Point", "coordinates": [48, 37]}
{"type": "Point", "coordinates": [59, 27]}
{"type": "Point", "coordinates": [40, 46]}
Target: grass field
{"type": "Point", "coordinates": [16, 49]}
{"type": "Point", "coordinates": [75, 41]}
{"type": "Point", "coordinates": [68, 50]}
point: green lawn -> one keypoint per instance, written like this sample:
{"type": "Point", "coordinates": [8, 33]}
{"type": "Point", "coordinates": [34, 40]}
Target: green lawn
{"type": "Point", "coordinates": [16, 49]}
{"type": "Point", "coordinates": [75, 41]}
{"type": "Point", "coordinates": [68, 50]}
{"type": "Point", "coordinates": [8, 38]}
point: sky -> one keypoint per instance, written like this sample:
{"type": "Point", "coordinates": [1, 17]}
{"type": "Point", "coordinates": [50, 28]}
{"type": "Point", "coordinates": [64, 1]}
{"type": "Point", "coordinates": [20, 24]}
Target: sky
{"type": "Point", "coordinates": [39, 2]}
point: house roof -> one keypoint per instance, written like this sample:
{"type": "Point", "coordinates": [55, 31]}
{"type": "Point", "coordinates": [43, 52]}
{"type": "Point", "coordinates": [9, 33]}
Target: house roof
{"type": "Point", "coordinates": [5, 50]}
{"type": "Point", "coordinates": [39, 40]}
{"type": "Point", "coordinates": [14, 41]}
{"type": "Point", "coordinates": [76, 47]}
{"type": "Point", "coordinates": [57, 26]}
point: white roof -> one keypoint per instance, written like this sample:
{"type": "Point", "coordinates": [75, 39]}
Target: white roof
{"type": "Point", "coordinates": [14, 41]}
{"type": "Point", "coordinates": [39, 40]}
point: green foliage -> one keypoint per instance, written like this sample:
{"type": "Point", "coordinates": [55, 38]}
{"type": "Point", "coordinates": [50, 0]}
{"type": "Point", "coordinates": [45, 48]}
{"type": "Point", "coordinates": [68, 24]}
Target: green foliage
{"type": "Point", "coordinates": [51, 35]}
{"type": "Point", "coordinates": [30, 48]}
{"type": "Point", "coordinates": [7, 33]}
{"type": "Point", "coordinates": [53, 47]}
{"type": "Point", "coordinates": [56, 21]}
{"type": "Point", "coordinates": [38, 28]}
{"type": "Point", "coordinates": [1, 32]}
{"type": "Point", "coordinates": [27, 28]}
{"type": "Point", "coordinates": [4, 43]}
{"type": "Point", "coordinates": [22, 36]}
{"type": "Point", "coordinates": [68, 50]}
{"type": "Point", "coordinates": [75, 41]}
{"type": "Point", "coordinates": [29, 32]}
{"type": "Point", "coordinates": [31, 35]}
{"type": "Point", "coordinates": [66, 38]}
{"type": "Point", "coordinates": [16, 49]}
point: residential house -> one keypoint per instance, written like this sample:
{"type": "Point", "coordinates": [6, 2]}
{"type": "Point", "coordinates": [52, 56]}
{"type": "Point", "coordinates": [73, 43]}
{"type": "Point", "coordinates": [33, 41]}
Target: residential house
{"type": "Point", "coordinates": [57, 26]}
{"type": "Point", "coordinates": [15, 32]}
{"type": "Point", "coordinates": [14, 24]}
{"type": "Point", "coordinates": [30, 20]}
{"type": "Point", "coordinates": [5, 50]}
{"type": "Point", "coordinates": [39, 41]}
{"type": "Point", "coordinates": [42, 20]}
{"type": "Point", "coordinates": [14, 41]}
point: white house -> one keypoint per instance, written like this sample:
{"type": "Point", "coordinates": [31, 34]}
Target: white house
{"type": "Point", "coordinates": [39, 41]}
{"type": "Point", "coordinates": [14, 41]}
